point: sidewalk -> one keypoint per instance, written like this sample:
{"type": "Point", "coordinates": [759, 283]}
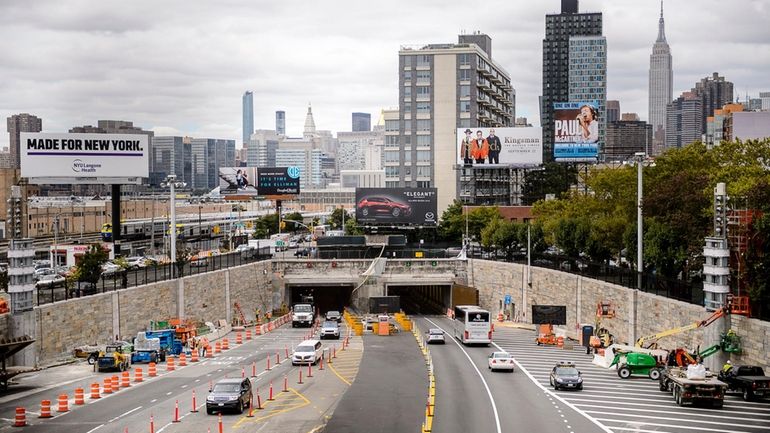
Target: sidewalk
{"type": "Point", "coordinates": [388, 394]}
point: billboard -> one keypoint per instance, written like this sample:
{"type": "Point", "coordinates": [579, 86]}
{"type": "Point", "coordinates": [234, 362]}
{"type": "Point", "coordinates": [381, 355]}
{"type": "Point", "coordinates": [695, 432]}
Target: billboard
{"type": "Point", "coordinates": [500, 146]}
{"type": "Point", "coordinates": [576, 131]}
{"type": "Point", "coordinates": [553, 314]}
{"type": "Point", "coordinates": [237, 180]}
{"type": "Point", "coordinates": [54, 158]}
{"type": "Point", "coordinates": [278, 180]}
{"type": "Point", "coordinates": [416, 206]}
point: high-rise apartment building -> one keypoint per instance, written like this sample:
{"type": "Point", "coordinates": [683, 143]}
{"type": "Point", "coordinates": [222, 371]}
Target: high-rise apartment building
{"type": "Point", "coordinates": [765, 97]}
{"type": "Point", "coordinates": [716, 122]}
{"type": "Point", "coordinates": [280, 122]}
{"type": "Point", "coordinates": [248, 116]}
{"type": "Point", "coordinates": [308, 161]}
{"type": "Point", "coordinates": [559, 28]}
{"type": "Point", "coordinates": [443, 87]}
{"type": "Point", "coordinates": [588, 76]}
{"type": "Point", "coordinates": [262, 147]}
{"type": "Point", "coordinates": [17, 124]}
{"type": "Point", "coordinates": [714, 92]}
{"type": "Point", "coordinates": [661, 85]}
{"type": "Point", "coordinates": [195, 161]}
{"type": "Point", "coordinates": [361, 122]}
{"type": "Point", "coordinates": [168, 158]}
{"type": "Point", "coordinates": [625, 138]}
{"type": "Point", "coordinates": [359, 150]}
{"type": "Point", "coordinates": [684, 120]}
{"type": "Point", "coordinates": [613, 111]}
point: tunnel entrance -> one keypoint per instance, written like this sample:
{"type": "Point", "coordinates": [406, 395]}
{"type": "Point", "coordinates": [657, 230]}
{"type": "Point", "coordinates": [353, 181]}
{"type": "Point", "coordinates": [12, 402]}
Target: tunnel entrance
{"type": "Point", "coordinates": [325, 298]}
{"type": "Point", "coordinates": [433, 299]}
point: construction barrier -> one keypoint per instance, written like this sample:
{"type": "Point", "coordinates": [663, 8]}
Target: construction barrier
{"type": "Point", "coordinates": [217, 348]}
{"type": "Point", "coordinates": [194, 355]}
{"type": "Point", "coordinates": [170, 364]}
{"type": "Point", "coordinates": [125, 379]}
{"type": "Point", "coordinates": [182, 359]}
{"type": "Point", "coordinates": [45, 409]}
{"type": "Point", "coordinates": [63, 403]}
{"type": "Point", "coordinates": [115, 383]}
{"type": "Point", "coordinates": [152, 370]}
{"type": "Point", "coordinates": [21, 417]}
{"type": "Point", "coordinates": [80, 397]}
{"type": "Point", "coordinates": [258, 330]}
{"type": "Point", "coordinates": [194, 404]}
{"type": "Point", "coordinates": [238, 338]}
{"type": "Point", "coordinates": [95, 391]}
{"type": "Point", "coordinates": [138, 375]}
{"type": "Point", "coordinates": [107, 385]}
{"type": "Point", "coordinates": [209, 352]}
{"type": "Point", "coordinates": [225, 344]}
{"type": "Point", "coordinates": [248, 334]}
{"type": "Point", "coordinates": [560, 341]}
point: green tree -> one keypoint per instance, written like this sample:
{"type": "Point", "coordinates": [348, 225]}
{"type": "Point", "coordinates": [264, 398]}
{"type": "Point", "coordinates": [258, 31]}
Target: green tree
{"type": "Point", "coordinates": [295, 216]}
{"type": "Point", "coordinates": [265, 226]}
{"type": "Point", "coordinates": [89, 269]}
{"type": "Point", "coordinates": [352, 228]}
{"type": "Point", "coordinates": [452, 224]}
{"type": "Point", "coordinates": [335, 219]}
{"type": "Point", "coordinates": [553, 178]}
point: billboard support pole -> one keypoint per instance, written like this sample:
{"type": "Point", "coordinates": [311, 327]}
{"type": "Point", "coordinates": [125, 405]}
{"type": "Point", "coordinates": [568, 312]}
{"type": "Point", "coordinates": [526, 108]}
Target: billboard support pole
{"type": "Point", "coordinates": [116, 219]}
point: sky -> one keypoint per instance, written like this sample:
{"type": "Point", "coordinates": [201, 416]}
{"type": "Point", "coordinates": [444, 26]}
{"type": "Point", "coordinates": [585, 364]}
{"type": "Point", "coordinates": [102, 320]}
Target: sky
{"type": "Point", "coordinates": [181, 67]}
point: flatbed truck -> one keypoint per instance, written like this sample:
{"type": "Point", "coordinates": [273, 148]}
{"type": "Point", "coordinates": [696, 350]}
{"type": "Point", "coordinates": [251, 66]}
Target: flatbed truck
{"type": "Point", "coordinates": [709, 391]}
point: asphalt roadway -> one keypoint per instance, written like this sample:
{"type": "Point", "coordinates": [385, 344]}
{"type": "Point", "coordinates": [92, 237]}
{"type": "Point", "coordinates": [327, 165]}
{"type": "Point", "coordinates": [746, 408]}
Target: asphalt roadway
{"type": "Point", "coordinates": [470, 398]}
{"type": "Point", "coordinates": [302, 408]}
{"type": "Point", "coordinates": [389, 392]}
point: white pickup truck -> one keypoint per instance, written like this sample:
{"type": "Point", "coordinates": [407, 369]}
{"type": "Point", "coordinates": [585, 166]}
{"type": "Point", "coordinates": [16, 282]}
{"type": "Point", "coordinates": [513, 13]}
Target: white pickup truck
{"type": "Point", "coordinates": [302, 315]}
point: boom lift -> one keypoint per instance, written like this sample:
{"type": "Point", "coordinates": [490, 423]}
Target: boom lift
{"type": "Point", "coordinates": [653, 339]}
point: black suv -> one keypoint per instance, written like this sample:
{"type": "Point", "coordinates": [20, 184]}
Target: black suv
{"type": "Point", "coordinates": [229, 394]}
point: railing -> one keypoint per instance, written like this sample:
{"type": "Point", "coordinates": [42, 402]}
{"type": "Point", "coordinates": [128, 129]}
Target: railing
{"type": "Point", "coordinates": [146, 275]}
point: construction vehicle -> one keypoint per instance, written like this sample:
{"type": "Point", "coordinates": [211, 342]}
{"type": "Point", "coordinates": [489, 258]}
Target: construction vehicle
{"type": "Point", "coordinates": [115, 356]}
{"type": "Point", "coordinates": [729, 342]}
{"type": "Point", "coordinates": [153, 346]}
{"type": "Point", "coordinates": [545, 335]}
{"type": "Point", "coordinates": [602, 337]}
{"type": "Point", "coordinates": [635, 363]}
{"type": "Point", "coordinates": [691, 390]}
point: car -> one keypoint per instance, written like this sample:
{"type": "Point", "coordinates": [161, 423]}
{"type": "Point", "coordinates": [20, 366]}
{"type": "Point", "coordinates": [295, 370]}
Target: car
{"type": "Point", "coordinates": [368, 323]}
{"type": "Point", "coordinates": [565, 375]}
{"type": "Point", "coordinates": [373, 205]}
{"type": "Point", "coordinates": [199, 262]}
{"type": "Point", "coordinates": [39, 272]}
{"type": "Point", "coordinates": [136, 262]}
{"type": "Point", "coordinates": [500, 361]}
{"type": "Point", "coordinates": [110, 268]}
{"type": "Point", "coordinates": [435, 335]}
{"type": "Point", "coordinates": [302, 252]}
{"type": "Point", "coordinates": [293, 245]}
{"type": "Point", "coordinates": [307, 352]}
{"type": "Point", "coordinates": [330, 329]}
{"type": "Point", "coordinates": [233, 393]}
{"type": "Point", "coordinates": [50, 280]}
{"type": "Point", "coordinates": [334, 315]}
{"type": "Point", "coordinates": [41, 264]}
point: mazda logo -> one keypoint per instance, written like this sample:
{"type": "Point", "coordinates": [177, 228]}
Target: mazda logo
{"type": "Point", "coordinates": [429, 216]}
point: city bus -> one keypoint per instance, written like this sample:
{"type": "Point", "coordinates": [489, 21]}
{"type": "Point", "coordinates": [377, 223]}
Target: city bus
{"type": "Point", "coordinates": [472, 325]}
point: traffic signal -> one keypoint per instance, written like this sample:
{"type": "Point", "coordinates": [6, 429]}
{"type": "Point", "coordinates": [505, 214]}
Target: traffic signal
{"type": "Point", "coordinates": [283, 225]}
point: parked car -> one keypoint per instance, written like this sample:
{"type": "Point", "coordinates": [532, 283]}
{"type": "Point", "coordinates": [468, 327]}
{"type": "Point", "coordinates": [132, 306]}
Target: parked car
{"type": "Point", "coordinates": [330, 329]}
{"type": "Point", "coordinates": [136, 262]}
{"type": "Point", "coordinates": [334, 315]}
{"type": "Point", "coordinates": [302, 252]}
{"type": "Point", "coordinates": [293, 245]}
{"type": "Point", "coordinates": [109, 269]}
{"type": "Point", "coordinates": [50, 280]}
{"type": "Point", "coordinates": [227, 394]}
{"type": "Point", "coordinates": [501, 361]}
{"type": "Point", "coordinates": [435, 335]}
{"type": "Point", "coordinates": [199, 262]}
{"type": "Point", "coordinates": [565, 375]}
{"type": "Point", "coordinates": [40, 272]}
{"type": "Point", "coordinates": [376, 205]}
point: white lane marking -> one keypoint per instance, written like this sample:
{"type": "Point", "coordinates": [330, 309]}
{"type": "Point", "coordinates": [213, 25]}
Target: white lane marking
{"type": "Point", "coordinates": [153, 400]}
{"type": "Point", "coordinates": [683, 420]}
{"type": "Point", "coordinates": [124, 414]}
{"type": "Point", "coordinates": [184, 386]}
{"type": "Point", "coordinates": [486, 386]}
{"type": "Point", "coordinates": [169, 393]}
{"type": "Point", "coordinates": [556, 396]}
{"type": "Point", "coordinates": [728, 415]}
{"type": "Point", "coordinates": [655, 407]}
{"type": "Point", "coordinates": [95, 428]}
{"type": "Point", "coordinates": [677, 427]}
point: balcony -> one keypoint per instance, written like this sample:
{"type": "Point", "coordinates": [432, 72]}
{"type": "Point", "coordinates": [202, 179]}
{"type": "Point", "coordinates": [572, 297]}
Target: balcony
{"type": "Point", "coordinates": [483, 84]}
{"type": "Point", "coordinates": [715, 270]}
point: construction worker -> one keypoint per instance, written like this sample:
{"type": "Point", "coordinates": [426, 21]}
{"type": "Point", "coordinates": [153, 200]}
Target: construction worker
{"type": "Point", "coordinates": [727, 367]}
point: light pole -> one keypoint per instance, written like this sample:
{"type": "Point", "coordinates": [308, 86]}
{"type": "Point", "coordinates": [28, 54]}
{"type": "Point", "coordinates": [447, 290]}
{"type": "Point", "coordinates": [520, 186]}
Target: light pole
{"type": "Point", "coordinates": [54, 256]}
{"type": "Point", "coordinates": [639, 220]}
{"type": "Point", "coordinates": [172, 183]}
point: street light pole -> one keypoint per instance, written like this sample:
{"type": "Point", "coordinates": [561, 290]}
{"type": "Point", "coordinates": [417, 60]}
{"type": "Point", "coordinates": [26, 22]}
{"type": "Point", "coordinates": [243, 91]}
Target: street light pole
{"type": "Point", "coordinates": [639, 220]}
{"type": "Point", "coordinates": [172, 183]}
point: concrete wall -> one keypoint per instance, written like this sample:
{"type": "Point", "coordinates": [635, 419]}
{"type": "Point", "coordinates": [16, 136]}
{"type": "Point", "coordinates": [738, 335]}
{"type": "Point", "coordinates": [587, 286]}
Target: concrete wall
{"type": "Point", "coordinates": [581, 295]}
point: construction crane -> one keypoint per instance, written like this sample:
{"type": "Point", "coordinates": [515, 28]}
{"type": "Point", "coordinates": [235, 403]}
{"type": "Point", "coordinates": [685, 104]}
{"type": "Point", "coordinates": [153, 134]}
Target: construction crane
{"type": "Point", "coordinates": [653, 339]}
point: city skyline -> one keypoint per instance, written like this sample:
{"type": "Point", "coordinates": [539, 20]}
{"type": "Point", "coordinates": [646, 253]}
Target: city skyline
{"type": "Point", "coordinates": [174, 82]}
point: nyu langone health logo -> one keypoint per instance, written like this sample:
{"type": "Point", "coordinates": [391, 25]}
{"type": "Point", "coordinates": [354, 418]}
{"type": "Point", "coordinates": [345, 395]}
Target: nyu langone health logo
{"type": "Point", "coordinates": [293, 172]}
{"type": "Point", "coordinates": [78, 166]}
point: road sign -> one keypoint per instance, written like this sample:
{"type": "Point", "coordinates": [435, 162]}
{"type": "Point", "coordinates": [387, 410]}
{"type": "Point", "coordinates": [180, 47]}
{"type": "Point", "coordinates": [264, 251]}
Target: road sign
{"type": "Point", "coordinates": [507, 299]}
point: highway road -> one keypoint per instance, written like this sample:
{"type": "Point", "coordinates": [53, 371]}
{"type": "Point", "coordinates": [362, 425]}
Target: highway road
{"type": "Point", "coordinates": [470, 398]}
{"type": "Point", "coordinates": [630, 405]}
{"type": "Point", "coordinates": [302, 408]}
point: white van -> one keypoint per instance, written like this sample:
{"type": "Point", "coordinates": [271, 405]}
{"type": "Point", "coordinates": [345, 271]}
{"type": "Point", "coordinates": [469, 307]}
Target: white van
{"type": "Point", "coordinates": [308, 352]}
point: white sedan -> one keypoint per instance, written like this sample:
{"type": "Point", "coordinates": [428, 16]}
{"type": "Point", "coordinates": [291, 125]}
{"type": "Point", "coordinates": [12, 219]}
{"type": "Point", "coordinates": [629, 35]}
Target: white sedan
{"type": "Point", "coordinates": [434, 335]}
{"type": "Point", "coordinates": [501, 361]}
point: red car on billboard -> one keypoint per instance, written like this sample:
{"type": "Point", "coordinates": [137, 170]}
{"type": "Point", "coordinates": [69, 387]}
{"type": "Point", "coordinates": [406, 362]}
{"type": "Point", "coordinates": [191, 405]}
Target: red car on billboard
{"type": "Point", "coordinates": [379, 205]}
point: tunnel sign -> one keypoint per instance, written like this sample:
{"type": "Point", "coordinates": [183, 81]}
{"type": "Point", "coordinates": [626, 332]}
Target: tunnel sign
{"type": "Point", "coordinates": [507, 299]}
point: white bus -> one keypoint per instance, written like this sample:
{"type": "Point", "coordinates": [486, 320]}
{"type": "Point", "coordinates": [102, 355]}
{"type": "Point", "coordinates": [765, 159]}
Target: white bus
{"type": "Point", "coordinates": [472, 325]}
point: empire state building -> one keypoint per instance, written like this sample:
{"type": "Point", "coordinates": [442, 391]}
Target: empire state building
{"type": "Point", "coordinates": [661, 85]}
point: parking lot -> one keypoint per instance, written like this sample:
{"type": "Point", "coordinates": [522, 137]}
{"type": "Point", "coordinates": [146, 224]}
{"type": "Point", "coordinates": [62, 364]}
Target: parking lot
{"type": "Point", "coordinates": [636, 404]}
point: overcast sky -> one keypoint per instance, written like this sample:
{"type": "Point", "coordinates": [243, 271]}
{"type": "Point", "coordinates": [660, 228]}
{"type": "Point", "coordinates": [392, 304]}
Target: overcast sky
{"type": "Point", "coordinates": [181, 67]}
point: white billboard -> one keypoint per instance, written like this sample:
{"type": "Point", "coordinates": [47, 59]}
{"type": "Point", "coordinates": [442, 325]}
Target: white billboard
{"type": "Point", "coordinates": [84, 158]}
{"type": "Point", "coordinates": [499, 146]}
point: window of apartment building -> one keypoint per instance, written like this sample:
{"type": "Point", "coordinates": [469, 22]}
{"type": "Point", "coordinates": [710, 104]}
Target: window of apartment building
{"type": "Point", "coordinates": [391, 140]}
{"type": "Point", "coordinates": [423, 76]}
{"type": "Point", "coordinates": [391, 156]}
{"type": "Point", "coordinates": [423, 92]}
{"type": "Point", "coordinates": [392, 171]}
{"type": "Point", "coordinates": [407, 91]}
{"type": "Point", "coordinates": [408, 108]}
{"type": "Point", "coordinates": [423, 171]}
{"type": "Point", "coordinates": [391, 125]}
{"type": "Point", "coordinates": [465, 91]}
{"type": "Point", "coordinates": [423, 107]}
{"type": "Point", "coordinates": [407, 138]}
{"type": "Point", "coordinates": [423, 155]}
{"type": "Point", "coordinates": [423, 60]}
{"type": "Point", "coordinates": [423, 125]}
{"type": "Point", "coordinates": [465, 123]}
{"type": "Point", "coordinates": [407, 75]}
{"type": "Point", "coordinates": [407, 61]}
{"type": "Point", "coordinates": [464, 59]}
{"type": "Point", "coordinates": [407, 126]}
{"type": "Point", "coordinates": [423, 140]}
{"type": "Point", "coordinates": [465, 106]}
{"type": "Point", "coordinates": [423, 184]}
{"type": "Point", "coordinates": [391, 184]}
{"type": "Point", "coordinates": [464, 75]}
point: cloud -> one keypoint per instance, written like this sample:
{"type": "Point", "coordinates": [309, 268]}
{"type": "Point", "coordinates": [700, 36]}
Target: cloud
{"type": "Point", "coordinates": [181, 66]}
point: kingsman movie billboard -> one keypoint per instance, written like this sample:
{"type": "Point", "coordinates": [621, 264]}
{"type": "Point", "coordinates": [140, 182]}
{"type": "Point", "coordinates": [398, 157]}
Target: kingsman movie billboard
{"type": "Point", "coordinates": [83, 158]}
{"type": "Point", "coordinates": [500, 146]}
{"type": "Point", "coordinates": [416, 206]}
{"type": "Point", "coordinates": [576, 131]}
